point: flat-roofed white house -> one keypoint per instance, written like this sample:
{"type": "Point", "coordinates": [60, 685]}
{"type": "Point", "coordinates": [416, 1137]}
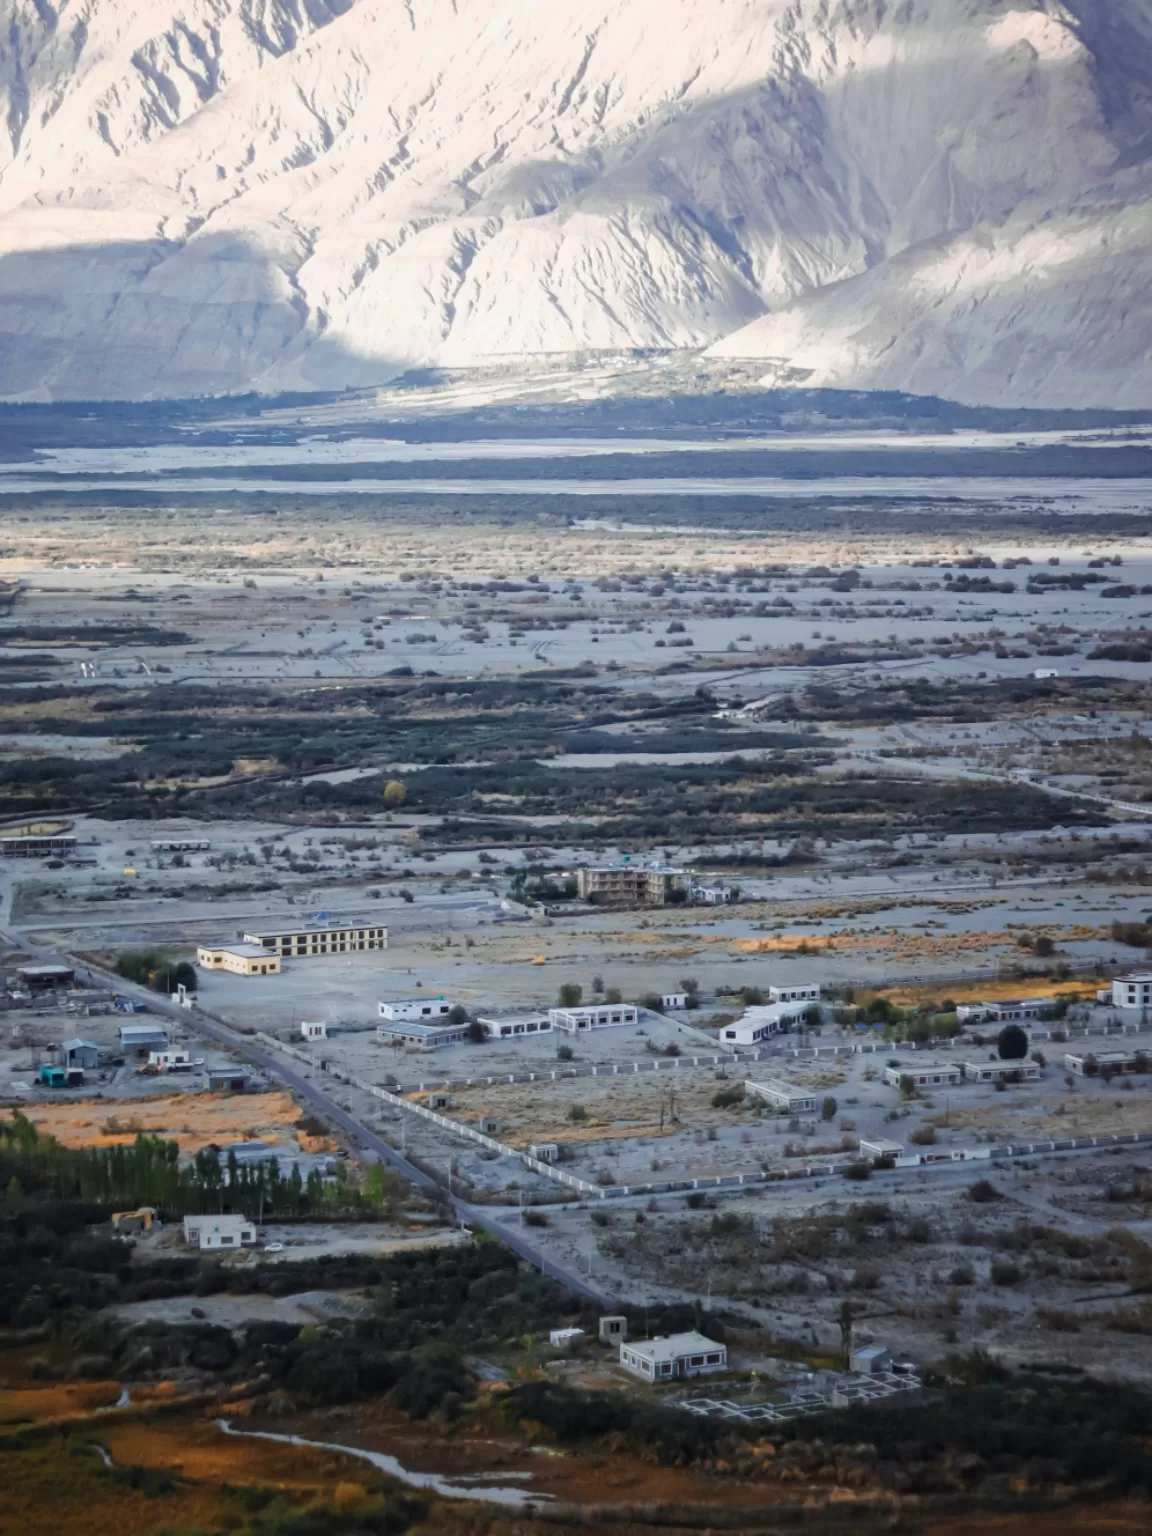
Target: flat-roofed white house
{"type": "Point", "coordinates": [783, 1096]}
{"type": "Point", "coordinates": [1015, 1010]}
{"type": "Point", "coordinates": [937, 1075]}
{"type": "Point", "coordinates": [174, 1060]}
{"type": "Point", "coordinates": [564, 1338]}
{"type": "Point", "coordinates": [1001, 1071]}
{"type": "Point", "coordinates": [239, 959]}
{"type": "Point", "coordinates": [762, 1023]}
{"type": "Point", "coordinates": [1089, 1063]}
{"type": "Point", "coordinates": [419, 1036]}
{"type": "Point", "coordinates": [519, 1024]}
{"type": "Point", "coordinates": [674, 1357]}
{"type": "Point", "coordinates": [808, 993]}
{"type": "Point", "coordinates": [219, 1231]}
{"type": "Point", "coordinates": [880, 1146]}
{"type": "Point", "coordinates": [313, 1029]}
{"type": "Point", "coordinates": [404, 1009]}
{"type": "Point", "coordinates": [674, 1002]}
{"type": "Point", "coordinates": [1133, 991]}
{"type": "Point", "coordinates": [593, 1016]}
{"type": "Point", "coordinates": [871, 1360]}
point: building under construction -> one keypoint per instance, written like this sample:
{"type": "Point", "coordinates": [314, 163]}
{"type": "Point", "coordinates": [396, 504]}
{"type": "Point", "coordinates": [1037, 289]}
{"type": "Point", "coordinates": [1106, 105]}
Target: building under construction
{"type": "Point", "coordinates": [632, 885]}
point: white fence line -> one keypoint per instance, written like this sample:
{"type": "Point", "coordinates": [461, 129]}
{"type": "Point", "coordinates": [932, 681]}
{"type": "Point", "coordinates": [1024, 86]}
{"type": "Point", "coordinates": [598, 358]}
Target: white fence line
{"type": "Point", "coordinates": [467, 1132]}
{"type": "Point", "coordinates": [717, 1181]}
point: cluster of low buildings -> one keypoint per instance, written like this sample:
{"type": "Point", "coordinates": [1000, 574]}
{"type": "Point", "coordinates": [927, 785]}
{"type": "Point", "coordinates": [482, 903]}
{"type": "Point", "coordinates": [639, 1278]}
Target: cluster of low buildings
{"type": "Point", "coordinates": [872, 1375]}
{"type": "Point", "coordinates": [937, 1074]}
{"type": "Point", "coordinates": [785, 1009]}
{"type": "Point", "coordinates": [427, 1024]}
{"type": "Point", "coordinates": [149, 1045]}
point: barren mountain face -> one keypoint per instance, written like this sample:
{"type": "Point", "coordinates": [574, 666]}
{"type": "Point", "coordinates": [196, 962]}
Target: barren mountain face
{"type": "Point", "coordinates": [938, 195]}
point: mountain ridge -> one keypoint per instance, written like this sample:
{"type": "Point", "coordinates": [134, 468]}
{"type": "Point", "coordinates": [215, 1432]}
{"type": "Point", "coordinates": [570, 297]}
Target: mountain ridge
{"type": "Point", "coordinates": [208, 196]}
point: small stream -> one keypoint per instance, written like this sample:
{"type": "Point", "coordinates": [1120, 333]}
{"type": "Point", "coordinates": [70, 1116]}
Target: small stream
{"type": "Point", "coordinates": [393, 1468]}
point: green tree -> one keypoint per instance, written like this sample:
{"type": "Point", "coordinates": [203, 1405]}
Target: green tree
{"type": "Point", "coordinates": [828, 1108]}
{"type": "Point", "coordinates": [394, 794]}
{"type": "Point", "coordinates": [1012, 1043]}
{"type": "Point", "coordinates": [570, 994]}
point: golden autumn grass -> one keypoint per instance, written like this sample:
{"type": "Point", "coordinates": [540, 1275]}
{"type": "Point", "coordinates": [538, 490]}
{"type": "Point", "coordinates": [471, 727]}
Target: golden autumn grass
{"type": "Point", "coordinates": [985, 991]}
{"type": "Point", "coordinates": [61, 1489]}
{"type": "Point", "coordinates": [60, 1486]}
{"type": "Point", "coordinates": [192, 1120]}
{"type": "Point", "coordinates": [59, 1400]}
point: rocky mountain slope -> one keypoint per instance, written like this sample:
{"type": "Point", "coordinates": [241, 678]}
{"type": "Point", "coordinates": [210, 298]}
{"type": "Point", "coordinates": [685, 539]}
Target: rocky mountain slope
{"type": "Point", "coordinates": [940, 195]}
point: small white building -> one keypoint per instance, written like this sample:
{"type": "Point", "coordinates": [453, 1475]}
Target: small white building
{"type": "Point", "coordinates": [613, 1329]}
{"type": "Point", "coordinates": [880, 1146]}
{"type": "Point", "coordinates": [936, 1075]}
{"type": "Point", "coordinates": [423, 1037]}
{"type": "Point", "coordinates": [314, 1029]}
{"type": "Point", "coordinates": [805, 994]}
{"type": "Point", "coordinates": [1088, 1063]}
{"type": "Point", "coordinates": [238, 959]}
{"type": "Point", "coordinates": [1133, 991]}
{"type": "Point", "coordinates": [783, 1096]}
{"type": "Point", "coordinates": [712, 895]}
{"type": "Point", "coordinates": [594, 1016]}
{"type": "Point", "coordinates": [219, 1231]}
{"type": "Point", "coordinates": [564, 1338]}
{"type": "Point", "coordinates": [404, 1009]}
{"type": "Point", "coordinates": [1001, 1071]}
{"type": "Point", "coordinates": [674, 1002]}
{"type": "Point", "coordinates": [173, 1061]}
{"type": "Point", "coordinates": [1045, 674]}
{"type": "Point", "coordinates": [520, 1024]}
{"type": "Point", "coordinates": [762, 1023]}
{"type": "Point", "coordinates": [870, 1360]}
{"type": "Point", "coordinates": [674, 1357]}
{"type": "Point", "coordinates": [545, 1151]}
{"type": "Point", "coordinates": [1008, 1011]}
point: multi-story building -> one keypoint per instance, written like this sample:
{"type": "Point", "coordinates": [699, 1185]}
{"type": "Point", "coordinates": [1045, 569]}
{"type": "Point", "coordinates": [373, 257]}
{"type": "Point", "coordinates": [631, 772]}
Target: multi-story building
{"type": "Point", "coordinates": [632, 885]}
{"type": "Point", "coordinates": [1133, 991]}
{"type": "Point", "coordinates": [35, 846]}
{"type": "Point", "coordinates": [328, 939]}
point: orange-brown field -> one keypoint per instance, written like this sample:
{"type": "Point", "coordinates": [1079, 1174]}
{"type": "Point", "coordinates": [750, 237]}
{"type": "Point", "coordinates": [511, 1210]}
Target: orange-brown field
{"type": "Point", "coordinates": [191, 1119]}
{"type": "Point", "coordinates": [178, 1472]}
{"type": "Point", "coordinates": [60, 1400]}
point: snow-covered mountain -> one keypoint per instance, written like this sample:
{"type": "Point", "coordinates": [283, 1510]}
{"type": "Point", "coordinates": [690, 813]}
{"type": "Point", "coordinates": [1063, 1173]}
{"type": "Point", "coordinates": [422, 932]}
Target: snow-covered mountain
{"type": "Point", "coordinates": [940, 195]}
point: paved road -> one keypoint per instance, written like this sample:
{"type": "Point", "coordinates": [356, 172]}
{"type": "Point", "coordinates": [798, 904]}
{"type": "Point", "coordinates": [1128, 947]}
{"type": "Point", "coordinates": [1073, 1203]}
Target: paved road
{"type": "Point", "coordinates": [358, 1133]}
